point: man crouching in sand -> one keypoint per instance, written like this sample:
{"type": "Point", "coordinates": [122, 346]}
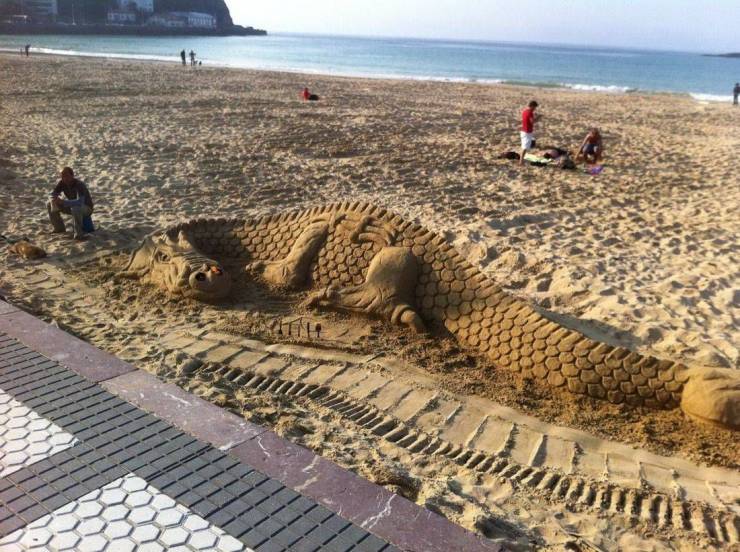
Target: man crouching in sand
{"type": "Point", "coordinates": [79, 203]}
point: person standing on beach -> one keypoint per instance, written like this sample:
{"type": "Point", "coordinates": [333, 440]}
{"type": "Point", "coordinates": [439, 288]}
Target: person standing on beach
{"type": "Point", "coordinates": [183, 57]}
{"type": "Point", "coordinates": [529, 118]}
{"type": "Point", "coordinates": [735, 93]}
{"type": "Point", "coordinates": [79, 203]}
{"type": "Point", "coordinates": [28, 49]}
{"type": "Point", "coordinates": [192, 58]}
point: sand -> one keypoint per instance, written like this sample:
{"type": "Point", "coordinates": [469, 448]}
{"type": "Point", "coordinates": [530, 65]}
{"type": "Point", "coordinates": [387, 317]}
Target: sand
{"type": "Point", "coordinates": [642, 255]}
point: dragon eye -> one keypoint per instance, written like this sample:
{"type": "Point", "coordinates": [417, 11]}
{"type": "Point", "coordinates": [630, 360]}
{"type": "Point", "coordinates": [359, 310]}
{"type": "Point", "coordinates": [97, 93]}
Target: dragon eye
{"type": "Point", "coordinates": [162, 257]}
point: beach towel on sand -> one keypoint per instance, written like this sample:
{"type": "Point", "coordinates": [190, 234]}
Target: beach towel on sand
{"type": "Point", "coordinates": [536, 159]}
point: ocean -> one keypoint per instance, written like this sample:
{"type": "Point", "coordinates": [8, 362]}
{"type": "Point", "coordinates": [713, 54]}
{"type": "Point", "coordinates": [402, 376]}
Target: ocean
{"type": "Point", "coordinates": [581, 68]}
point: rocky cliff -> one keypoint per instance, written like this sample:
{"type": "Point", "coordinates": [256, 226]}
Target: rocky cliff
{"type": "Point", "coordinates": [90, 17]}
{"type": "Point", "coordinates": [95, 11]}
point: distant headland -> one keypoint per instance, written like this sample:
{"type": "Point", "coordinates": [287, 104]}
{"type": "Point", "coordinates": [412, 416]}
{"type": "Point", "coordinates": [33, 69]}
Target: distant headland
{"type": "Point", "coordinates": [730, 55]}
{"type": "Point", "coordinates": [121, 17]}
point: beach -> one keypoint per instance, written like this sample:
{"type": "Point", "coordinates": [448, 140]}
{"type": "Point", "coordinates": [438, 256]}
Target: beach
{"type": "Point", "coordinates": [642, 255]}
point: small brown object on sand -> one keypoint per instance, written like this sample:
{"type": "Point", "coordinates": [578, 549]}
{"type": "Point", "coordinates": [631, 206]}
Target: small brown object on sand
{"type": "Point", "coordinates": [27, 250]}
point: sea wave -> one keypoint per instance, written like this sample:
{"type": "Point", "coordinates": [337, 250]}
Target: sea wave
{"type": "Point", "coordinates": [256, 65]}
{"type": "Point", "coordinates": [710, 97]}
{"type": "Point", "coordinates": [107, 55]}
{"type": "Point", "coordinates": [599, 88]}
{"type": "Point", "coordinates": [339, 73]}
{"type": "Point", "coordinates": [359, 74]}
{"type": "Point", "coordinates": [249, 62]}
{"type": "Point", "coordinates": [582, 87]}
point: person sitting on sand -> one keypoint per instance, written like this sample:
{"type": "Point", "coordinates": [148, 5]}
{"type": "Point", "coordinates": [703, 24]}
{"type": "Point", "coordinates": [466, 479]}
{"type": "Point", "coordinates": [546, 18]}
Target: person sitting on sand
{"type": "Point", "coordinates": [560, 157]}
{"type": "Point", "coordinates": [529, 118]}
{"type": "Point", "coordinates": [307, 96]}
{"type": "Point", "coordinates": [79, 203]}
{"type": "Point", "coordinates": [555, 153]}
{"type": "Point", "coordinates": [592, 148]}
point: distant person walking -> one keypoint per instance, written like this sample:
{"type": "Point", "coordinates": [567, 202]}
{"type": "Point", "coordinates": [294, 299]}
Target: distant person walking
{"type": "Point", "coordinates": [735, 93]}
{"type": "Point", "coordinates": [27, 49]}
{"type": "Point", "coordinates": [529, 118]}
{"type": "Point", "coordinates": [79, 203]}
{"type": "Point", "coordinates": [184, 58]}
{"type": "Point", "coordinates": [192, 58]}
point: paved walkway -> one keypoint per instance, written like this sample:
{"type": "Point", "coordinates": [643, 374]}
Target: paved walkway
{"type": "Point", "coordinates": [82, 468]}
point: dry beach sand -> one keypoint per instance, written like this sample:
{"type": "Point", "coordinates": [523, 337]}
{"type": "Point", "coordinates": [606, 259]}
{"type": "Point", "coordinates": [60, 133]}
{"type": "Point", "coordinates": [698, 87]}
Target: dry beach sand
{"type": "Point", "coordinates": [643, 255]}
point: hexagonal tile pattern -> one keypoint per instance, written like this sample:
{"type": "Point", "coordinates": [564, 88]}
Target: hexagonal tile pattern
{"type": "Point", "coordinates": [109, 519]}
{"type": "Point", "coordinates": [26, 437]}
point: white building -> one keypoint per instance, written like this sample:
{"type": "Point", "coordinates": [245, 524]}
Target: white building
{"type": "Point", "coordinates": [145, 6]}
{"type": "Point", "coordinates": [42, 9]}
{"type": "Point", "coordinates": [166, 20]}
{"type": "Point", "coordinates": [197, 19]}
{"type": "Point", "coordinates": [117, 17]}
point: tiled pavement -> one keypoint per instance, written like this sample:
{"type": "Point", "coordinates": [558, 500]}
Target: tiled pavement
{"type": "Point", "coordinates": [82, 469]}
{"type": "Point", "coordinates": [26, 437]}
{"type": "Point", "coordinates": [122, 516]}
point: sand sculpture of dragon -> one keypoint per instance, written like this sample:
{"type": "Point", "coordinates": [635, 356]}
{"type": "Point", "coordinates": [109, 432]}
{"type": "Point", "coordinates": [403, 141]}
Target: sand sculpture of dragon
{"type": "Point", "coordinates": [360, 258]}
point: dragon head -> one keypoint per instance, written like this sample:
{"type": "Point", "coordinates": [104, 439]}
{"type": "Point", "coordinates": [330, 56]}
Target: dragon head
{"type": "Point", "coordinates": [178, 267]}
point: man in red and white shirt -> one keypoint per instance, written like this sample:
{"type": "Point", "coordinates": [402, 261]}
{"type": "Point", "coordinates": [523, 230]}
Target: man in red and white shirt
{"type": "Point", "coordinates": [527, 133]}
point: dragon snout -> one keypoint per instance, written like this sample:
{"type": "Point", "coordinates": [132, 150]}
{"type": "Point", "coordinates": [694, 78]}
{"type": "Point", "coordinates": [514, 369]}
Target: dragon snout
{"type": "Point", "coordinates": [210, 282]}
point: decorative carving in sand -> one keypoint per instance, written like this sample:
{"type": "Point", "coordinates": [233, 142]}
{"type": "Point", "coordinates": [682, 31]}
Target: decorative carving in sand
{"type": "Point", "coordinates": [360, 258]}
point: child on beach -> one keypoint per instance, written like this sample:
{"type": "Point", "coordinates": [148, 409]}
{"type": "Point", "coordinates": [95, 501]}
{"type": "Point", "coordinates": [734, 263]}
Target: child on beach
{"type": "Point", "coordinates": [529, 118]}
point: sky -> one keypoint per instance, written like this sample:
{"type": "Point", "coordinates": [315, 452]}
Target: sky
{"type": "Point", "coordinates": [698, 25]}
